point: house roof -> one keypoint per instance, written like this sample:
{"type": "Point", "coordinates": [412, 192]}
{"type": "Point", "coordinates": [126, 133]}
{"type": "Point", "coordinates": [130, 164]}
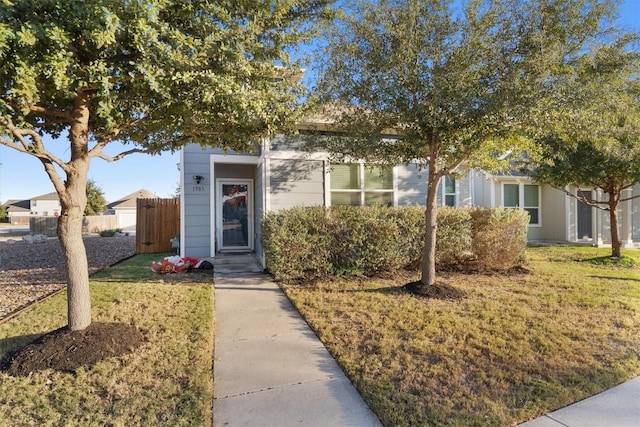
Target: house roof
{"type": "Point", "coordinates": [48, 196]}
{"type": "Point", "coordinates": [15, 205]}
{"type": "Point", "coordinates": [129, 201]}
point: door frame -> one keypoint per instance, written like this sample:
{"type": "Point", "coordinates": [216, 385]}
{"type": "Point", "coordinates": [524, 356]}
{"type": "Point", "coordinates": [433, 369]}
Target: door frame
{"type": "Point", "coordinates": [250, 214]}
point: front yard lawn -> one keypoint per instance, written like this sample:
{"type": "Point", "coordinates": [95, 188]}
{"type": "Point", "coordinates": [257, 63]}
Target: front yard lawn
{"type": "Point", "coordinates": [168, 380]}
{"type": "Point", "coordinates": [515, 348]}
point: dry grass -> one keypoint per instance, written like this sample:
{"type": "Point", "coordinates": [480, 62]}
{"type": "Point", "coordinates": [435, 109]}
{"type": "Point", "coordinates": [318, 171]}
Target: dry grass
{"type": "Point", "coordinates": [518, 346]}
{"type": "Point", "coordinates": [168, 381]}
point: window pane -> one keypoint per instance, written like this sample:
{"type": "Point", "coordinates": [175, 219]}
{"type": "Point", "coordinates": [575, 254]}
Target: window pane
{"type": "Point", "coordinates": [345, 199]}
{"type": "Point", "coordinates": [377, 178]}
{"type": "Point", "coordinates": [450, 200]}
{"type": "Point", "coordinates": [378, 198]}
{"type": "Point", "coordinates": [345, 176]}
{"type": "Point", "coordinates": [533, 215]}
{"type": "Point", "coordinates": [511, 197]}
{"type": "Point", "coordinates": [531, 195]}
{"type": "Point", "coordinates": [449, 185]}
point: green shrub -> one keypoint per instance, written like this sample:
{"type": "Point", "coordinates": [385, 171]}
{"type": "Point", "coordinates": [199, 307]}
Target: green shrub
{"type": "Point", "coordinates": [297, 243]}
{"type": "Point", "coordinates": [453, 238]}
{"type": "Point", "coordinates": [366, 240]}
{"type": "Point", "coordinates": [410, 221]}
{"type": "Point", "coordinates": [110, 233]}
{"type": "Point", "coordinates": [499, 237]}
{"type": "Point", "coordinates": [314, 242]}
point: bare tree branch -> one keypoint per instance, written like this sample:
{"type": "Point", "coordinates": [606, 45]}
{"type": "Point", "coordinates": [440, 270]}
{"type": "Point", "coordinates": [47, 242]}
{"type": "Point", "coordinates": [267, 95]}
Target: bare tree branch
{"type": "Point", "coordinates": [50, 112]}
{"type": "Point", "coordinates": [32, 145]}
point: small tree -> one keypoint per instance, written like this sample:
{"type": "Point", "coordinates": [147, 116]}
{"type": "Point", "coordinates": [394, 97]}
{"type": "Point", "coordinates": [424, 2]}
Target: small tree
{"type": "Point", "coordinates": [454, 83]}
{"type": "Point", "coordinates": [152, 74]}
{"type": "Point", "coordinates": [592, 135]}
{"type": "Point", "coordinates": [95, 199]}
{"type": "Point", "coordinates": [3, 213]}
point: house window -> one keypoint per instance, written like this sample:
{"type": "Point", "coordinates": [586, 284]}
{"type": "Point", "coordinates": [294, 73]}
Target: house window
{"type": "Point", "coordinates": [448, 188]}
{"type": "Point", "coordinates": [525, 196]}
{"type": "Point", "coordinates": [357, 184]}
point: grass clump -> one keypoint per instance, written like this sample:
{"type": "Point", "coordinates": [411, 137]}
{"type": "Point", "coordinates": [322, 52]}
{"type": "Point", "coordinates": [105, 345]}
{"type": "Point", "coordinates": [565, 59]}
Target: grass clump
{"type": "Point", "coordinates": [518, 346]}
{"type": "Point", "coordinates": [167, 381]}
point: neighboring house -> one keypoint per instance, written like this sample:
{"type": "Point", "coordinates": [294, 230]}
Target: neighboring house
{"type": "Point", "coordinates": [46, 205]}
{"type": "Point", "coordinates": [555, 216]}
{"type": "Point", "coordinates": [19, 211]}
{"type": "Point", "coordinates": [125, 209]}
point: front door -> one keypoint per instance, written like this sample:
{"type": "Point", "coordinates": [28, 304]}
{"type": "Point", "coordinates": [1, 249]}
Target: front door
{"type": "Point", "coordinates": [585, 228]}
{"type": "Point", "coordinates": [235, 214]}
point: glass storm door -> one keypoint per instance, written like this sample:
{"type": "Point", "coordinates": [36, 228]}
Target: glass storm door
{"type": "Point", "coordinates": [236, 208]}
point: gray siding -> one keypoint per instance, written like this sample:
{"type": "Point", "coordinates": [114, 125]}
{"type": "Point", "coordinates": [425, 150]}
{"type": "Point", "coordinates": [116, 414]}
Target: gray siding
{"type": "Point", "coordinates": [295, 183]}
{"type": "Point", "coordinates": [411, 185]}
{"type": "Point", "coordinates": [197, 206]}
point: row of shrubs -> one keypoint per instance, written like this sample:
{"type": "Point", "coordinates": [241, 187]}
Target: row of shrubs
{"type": "Point", "coordinates": [315, 242]}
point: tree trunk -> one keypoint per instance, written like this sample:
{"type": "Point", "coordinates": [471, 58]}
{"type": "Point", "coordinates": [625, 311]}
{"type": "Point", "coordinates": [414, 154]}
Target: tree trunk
{"type": "Point", "coordinates": [616, 244]}
{"type": "Point", "coordinates": [431, 215]}
{"type": "Point", "coordinates": [73, 200]}
{"type": "Point", "coordinates": [78, 296]}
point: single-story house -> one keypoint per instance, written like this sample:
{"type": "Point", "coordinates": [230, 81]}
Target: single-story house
{"type": "Point", "coordinates": [125, 209]}
{"type": "Point", "coordinates": [225, 195]}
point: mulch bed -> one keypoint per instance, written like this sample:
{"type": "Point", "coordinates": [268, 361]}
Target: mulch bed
{"type": "Point", "coordinates": [65, 350]}
{"type": "Point", "coordinates": [436, 291]}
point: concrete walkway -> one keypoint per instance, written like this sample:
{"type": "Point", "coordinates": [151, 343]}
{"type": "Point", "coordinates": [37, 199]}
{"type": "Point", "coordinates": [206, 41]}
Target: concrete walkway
{"type": "Point", "coordinates": [617, 407]}
{"type": "Point", "coordinates": [270, 369]}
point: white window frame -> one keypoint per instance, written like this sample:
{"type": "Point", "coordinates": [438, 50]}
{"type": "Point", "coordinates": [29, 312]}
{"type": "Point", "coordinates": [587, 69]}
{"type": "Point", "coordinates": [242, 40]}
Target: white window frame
{"type": "Point", "coordinates": [362, 190]}
{"type": "Point", "coordinates": [521, 204]}
{"type": "Point", "coordinates": [444, 194]}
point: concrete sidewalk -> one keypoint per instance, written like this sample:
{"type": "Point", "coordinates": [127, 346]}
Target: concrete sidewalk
{"type": "Point", "coordinates": [617, 407]}
{"type": "Point", "coordinates": [270, 369]}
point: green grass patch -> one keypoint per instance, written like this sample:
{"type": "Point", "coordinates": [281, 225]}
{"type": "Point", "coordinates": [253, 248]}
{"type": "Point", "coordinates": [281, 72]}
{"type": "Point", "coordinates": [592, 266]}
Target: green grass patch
{"type": "Point", "coordinates": [517, 347]}
{"type": "Point", "coordinates": [167, 381]}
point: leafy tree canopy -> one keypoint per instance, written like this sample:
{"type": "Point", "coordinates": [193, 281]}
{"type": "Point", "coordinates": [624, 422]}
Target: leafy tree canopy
{"type": "Point", "coordinates": [454, 82]}
{"type": "Point", "coordinates": [158, 73]}
{"type": "Point", "coordinates": [153, 74]}
{"type": "Point", "coordinates": [96, 202]}
{"type": "Point", "coordinates": [590, 134]}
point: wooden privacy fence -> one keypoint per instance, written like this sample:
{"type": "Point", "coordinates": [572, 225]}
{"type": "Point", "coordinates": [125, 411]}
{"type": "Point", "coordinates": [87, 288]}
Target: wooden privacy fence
{"type": "Point", "coordinates": [47, 225]}
{"type": "Point", "coordinates": [157, 222]}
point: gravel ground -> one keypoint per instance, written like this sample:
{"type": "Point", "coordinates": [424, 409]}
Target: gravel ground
{"type": "Point", "coordinates": [31, 271]}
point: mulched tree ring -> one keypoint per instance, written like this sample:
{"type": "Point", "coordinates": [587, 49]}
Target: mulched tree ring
{"type": "Point", "coordinates": [65, 350]}
{"type": "Point", "coordinates": [438, 290]}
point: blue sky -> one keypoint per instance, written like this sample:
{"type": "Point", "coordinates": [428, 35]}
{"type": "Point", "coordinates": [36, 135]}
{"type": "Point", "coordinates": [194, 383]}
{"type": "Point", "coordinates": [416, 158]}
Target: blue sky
{"type": "Point", "coordinates": [23, 177]}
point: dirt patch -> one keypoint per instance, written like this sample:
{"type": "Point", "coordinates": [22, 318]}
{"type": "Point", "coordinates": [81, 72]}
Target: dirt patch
{"type": "Point", "coordinates": [436, 291]}
{"type": "Point", "coordinates": [65, 350]}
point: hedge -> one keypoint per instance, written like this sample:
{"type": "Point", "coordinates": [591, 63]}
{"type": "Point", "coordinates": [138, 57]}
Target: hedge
{"type": "Point", "coordinates": [315, 242]}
